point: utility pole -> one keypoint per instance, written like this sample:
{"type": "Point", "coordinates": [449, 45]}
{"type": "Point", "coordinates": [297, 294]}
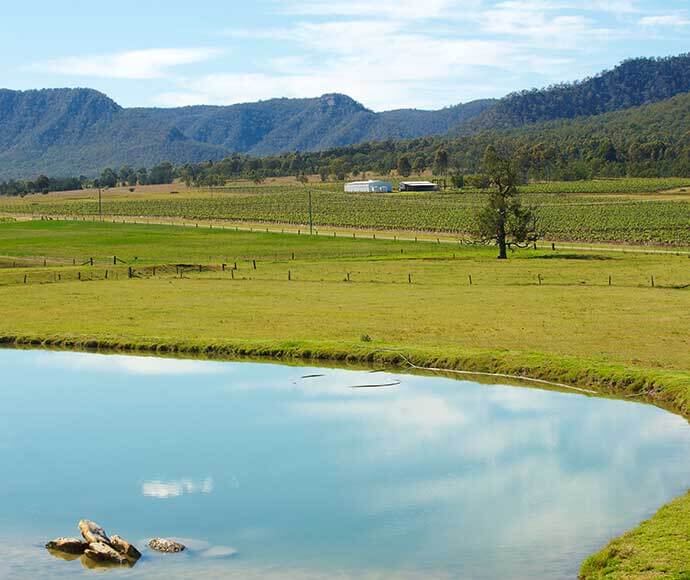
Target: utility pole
{"type": "Point", "coordinates": [100, 205]}
{"type": "Point", "coordinates": [311, 216]}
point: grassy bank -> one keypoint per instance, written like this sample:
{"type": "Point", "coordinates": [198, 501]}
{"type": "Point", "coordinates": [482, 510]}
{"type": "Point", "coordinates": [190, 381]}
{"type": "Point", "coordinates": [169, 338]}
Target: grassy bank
{"type": "Point", "coordinates": [658, 548]}
{"type": "Point", "coordinates": [613, 322]}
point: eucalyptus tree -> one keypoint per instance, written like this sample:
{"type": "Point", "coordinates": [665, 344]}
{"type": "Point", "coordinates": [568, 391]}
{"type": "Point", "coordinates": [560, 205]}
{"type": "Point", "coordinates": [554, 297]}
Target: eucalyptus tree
{"type": "Point", "coordinates": [504, 221]}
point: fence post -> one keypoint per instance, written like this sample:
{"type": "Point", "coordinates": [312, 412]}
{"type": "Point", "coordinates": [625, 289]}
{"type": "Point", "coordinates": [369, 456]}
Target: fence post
{"type": "Point", "coordinates": [129, 272]}
{"type": "Point", "coordinates": [254, 263]}
{"type": "Point", "coordinates": [470, 279]}
{"type": "Point", "coordinates": [409, 278]}
{"type": "Point", "coordinates": [289, 275]}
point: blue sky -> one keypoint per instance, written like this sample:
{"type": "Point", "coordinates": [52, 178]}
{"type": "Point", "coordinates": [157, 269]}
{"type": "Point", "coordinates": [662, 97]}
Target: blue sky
{"type": "Point", "coordinates": [384, 53]}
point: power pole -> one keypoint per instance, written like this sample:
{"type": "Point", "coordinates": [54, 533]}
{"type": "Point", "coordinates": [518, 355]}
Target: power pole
{"type": "Point", "coordinates": [311, 217]}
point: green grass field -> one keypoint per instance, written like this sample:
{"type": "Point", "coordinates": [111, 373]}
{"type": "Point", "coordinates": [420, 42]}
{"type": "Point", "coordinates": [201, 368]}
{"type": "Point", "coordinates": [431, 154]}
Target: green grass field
{"type": "Point", "coordinates": [630, 211]}
{"type": "Point", "coordinates": [611, 321]}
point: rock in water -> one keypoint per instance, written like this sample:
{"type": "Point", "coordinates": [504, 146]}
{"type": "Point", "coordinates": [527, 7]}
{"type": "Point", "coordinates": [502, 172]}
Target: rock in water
{"type": "Point", "coordinates": [68, 545]}
{"type": "Point", "coordinates": [93, 533]}
{"type": "Point", "coordinates": [100, 552]}
{"type": "Point", "coordinates": [124, 547]}
{"type": "Point", "coordinates": [166, 546]}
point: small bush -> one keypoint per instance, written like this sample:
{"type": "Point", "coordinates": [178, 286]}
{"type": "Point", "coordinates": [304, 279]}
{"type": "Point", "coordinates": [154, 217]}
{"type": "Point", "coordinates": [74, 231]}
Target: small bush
{"type": "Point", "coordinates": [365, 338]}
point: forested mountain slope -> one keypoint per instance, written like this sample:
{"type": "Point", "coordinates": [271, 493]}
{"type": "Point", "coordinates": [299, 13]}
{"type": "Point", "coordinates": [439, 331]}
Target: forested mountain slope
{"type": "Point", "coordinates": [80, 131]}
{"type": "Point", "coordinates": [650, 140]}
{"type": "Point", "coordinates": [633, 83]}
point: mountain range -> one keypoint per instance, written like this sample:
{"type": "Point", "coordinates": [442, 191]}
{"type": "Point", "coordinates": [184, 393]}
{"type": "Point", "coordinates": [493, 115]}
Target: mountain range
{"type": "Point", "coordinates": [81, 131]}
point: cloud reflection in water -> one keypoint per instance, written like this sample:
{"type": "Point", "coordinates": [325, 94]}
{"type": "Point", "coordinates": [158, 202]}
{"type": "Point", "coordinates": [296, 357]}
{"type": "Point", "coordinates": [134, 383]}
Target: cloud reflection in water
{"type": "Point", "coordinates": [169, 489]}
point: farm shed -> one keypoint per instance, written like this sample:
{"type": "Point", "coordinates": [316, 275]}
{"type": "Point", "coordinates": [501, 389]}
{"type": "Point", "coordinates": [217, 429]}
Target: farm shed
{"type": "Point", "coordinates": [418, 186]}
{"type": "Point", "coordinates": [369, 186]}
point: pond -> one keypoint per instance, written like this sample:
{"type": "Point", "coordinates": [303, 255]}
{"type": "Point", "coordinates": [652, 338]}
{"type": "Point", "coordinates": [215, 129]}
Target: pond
{"type": "Point", "coordinates": [270, 471]}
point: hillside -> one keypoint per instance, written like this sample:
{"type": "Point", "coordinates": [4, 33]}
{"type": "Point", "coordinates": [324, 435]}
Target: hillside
{"type": "Point", "coordinates": [80, 131]}
{"type": "Point", "coordinates": [646, 141]}
{"type": "Point", "coordinates": [633, 83]}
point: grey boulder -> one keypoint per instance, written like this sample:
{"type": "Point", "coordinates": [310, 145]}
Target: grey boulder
{"type": "Point", "coordinates": [166, 546]}
{"type": "Point", "coordinates": [100, 552]}
{"type": "Point", "coordinates": [124, 547]}
{"type": "Point", "coordinates": [92, 532]}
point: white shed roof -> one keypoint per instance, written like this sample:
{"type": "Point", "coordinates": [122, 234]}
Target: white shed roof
{"type": "Point", "coordinates": [369, 182]}
{"type": "Point", "coordinates": [417, 183]}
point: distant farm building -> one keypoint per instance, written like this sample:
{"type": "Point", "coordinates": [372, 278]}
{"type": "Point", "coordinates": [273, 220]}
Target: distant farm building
{"type": "Point", "coordinates": [371, 186]}
{"type": "Point", "coordinates": [418, 186]}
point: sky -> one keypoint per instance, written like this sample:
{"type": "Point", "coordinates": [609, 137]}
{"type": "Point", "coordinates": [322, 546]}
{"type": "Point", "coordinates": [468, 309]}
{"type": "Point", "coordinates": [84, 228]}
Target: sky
{"type": "Point", "coordinates": [386, 54]}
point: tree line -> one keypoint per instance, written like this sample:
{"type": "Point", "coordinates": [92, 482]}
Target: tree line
{"type": "Point", "coordinates": [109, 177]}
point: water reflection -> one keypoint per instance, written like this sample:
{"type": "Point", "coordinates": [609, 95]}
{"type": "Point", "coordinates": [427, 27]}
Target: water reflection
{"type": "Point", "coordinates": [168, 489]}
{"type": "Point", "coordinates": [431, 478]}
{"type": "Point", "coordinates": [134, 365]}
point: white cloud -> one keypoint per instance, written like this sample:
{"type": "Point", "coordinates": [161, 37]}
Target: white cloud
{"type": "Point", "coordinates": [169, 489]}
{"type": "Point", "coordinates": [383, 64]}
{"type": "Point", "coordinates": [610, 6]}
{"type": "Point", "coordinates": [396, 9]}
{"type": "Point", "coordinates": [542, 25]}
{"type": "Point", "coordinates": [405, 53]}
{"type": "Point", "coordinates": [135, 365]}
{"type": "Point", "coordinates": [422, 416]}
{"type": "Point", "coordinates": [135, 64]}
{"type": "Point", "coordinates": [674, 20]}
